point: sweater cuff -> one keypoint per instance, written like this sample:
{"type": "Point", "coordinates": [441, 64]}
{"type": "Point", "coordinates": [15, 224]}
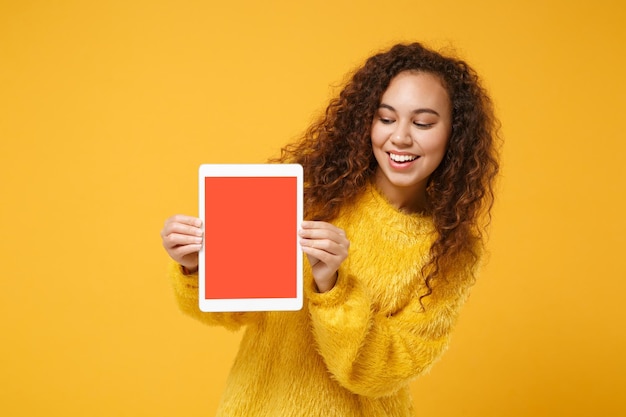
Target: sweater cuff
{"type": "Point", "coordinates": [336, 295]}
{"type": "Point", "coordinates": [177, 275]}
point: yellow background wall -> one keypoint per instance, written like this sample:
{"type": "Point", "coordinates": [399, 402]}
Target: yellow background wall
{"type": "Point", "coordinates": [107, 109]}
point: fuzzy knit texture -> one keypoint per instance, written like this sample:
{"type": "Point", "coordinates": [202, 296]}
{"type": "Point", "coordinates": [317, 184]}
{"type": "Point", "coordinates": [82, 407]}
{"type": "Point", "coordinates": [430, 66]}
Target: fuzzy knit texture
{"type": "Point", "coordinates": [353, 350]}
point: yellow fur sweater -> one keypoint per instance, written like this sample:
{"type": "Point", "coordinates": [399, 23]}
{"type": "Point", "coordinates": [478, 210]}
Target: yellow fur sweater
{"type": "Point", "coordinates": [353, 350]}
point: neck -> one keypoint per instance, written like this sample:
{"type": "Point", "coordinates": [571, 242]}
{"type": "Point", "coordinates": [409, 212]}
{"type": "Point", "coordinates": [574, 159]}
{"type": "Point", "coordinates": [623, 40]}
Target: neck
{"type": "Point", "coordinates": [409, 199]}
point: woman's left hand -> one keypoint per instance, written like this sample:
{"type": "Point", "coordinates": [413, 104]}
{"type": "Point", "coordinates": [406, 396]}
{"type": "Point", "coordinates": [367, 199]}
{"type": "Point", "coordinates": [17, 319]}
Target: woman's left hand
{"type": "Point", "coordinates": [326, 247]}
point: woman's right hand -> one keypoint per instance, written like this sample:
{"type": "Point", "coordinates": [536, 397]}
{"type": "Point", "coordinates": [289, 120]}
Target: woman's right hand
{"type": "Point", "coordinates": [182, 239]}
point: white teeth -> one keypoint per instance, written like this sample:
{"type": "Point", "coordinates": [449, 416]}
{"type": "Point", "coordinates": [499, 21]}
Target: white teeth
{"type": "Point", "coordinates": [402, 158]}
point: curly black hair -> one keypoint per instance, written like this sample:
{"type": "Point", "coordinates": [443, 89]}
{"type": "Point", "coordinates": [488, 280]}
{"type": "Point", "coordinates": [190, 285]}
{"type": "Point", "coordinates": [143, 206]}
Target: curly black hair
{"type": "Point", "coordinates": [338, 160]}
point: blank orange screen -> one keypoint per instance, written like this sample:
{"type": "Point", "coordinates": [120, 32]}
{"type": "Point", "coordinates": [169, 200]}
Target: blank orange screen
{"type": "Point", "coordinates": [250, 242]}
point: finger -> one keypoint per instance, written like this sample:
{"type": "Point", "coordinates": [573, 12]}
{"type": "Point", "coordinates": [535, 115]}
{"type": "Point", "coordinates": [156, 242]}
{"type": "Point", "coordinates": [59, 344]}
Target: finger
{"type": "Point", "coordinates": [184, 219]}
{"type": "Point", "coordinates": [182, 229]}
{"type": "Point", "coordinates": [322, 230]}
{"type": "Point", "coordinates": [320, 234]}
{"type": "Point", "coordinates": [328, 246]}
{"type": "Point", "coordinates": [339, 246]}
{"type": "Point", "coordinates": [190, 220]}
{"type": "Point", "coordinates": [330, 260]}
{"type": "Point", "coordinates": [181, 251]}
{"type": "Point", "coordinates": [176, 239]}
{"type": "Point", "coordinates": [309, 224]}
{"type": "Point", "coordinates": [186, 225]}
{"type": "Point", "coordinates": [324, 244]}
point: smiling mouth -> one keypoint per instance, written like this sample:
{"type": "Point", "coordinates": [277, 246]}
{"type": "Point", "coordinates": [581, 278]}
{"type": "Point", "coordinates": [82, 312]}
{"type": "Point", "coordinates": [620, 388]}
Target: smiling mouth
{"type": "Point", "coordinates": [401, 159]}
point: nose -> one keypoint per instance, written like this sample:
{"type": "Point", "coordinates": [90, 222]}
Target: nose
{"type": "Point", "coordinates": [401, 136]}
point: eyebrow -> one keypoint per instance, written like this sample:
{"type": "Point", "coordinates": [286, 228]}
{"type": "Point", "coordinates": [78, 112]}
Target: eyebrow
{"type": "Point", "coordinates": [416, 111]}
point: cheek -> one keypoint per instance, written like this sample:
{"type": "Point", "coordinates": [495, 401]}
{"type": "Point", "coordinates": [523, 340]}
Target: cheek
{"type": "Point", "coordinates": [377, 144]}
{"type": "Point", "coordinates": [377, 137]}
{"type": "Point", "coordinates": [437, 144]}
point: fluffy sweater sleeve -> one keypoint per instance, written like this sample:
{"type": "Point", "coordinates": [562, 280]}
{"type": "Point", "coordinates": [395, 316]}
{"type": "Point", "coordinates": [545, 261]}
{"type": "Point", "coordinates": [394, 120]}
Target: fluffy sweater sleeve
{"type": "Point", "coordinates": [375, 354]}
{"type": "Point", "coordinates": [370, 329]}
{"type": "Point", "coordinates": [186, 293]}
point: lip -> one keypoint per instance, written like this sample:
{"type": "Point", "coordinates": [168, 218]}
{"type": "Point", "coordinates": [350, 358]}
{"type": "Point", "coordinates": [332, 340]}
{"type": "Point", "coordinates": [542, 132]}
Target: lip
{"type": "Point", "coordinates": [402, 153]}
{"type": "Point", "coordinates": [401, 165]}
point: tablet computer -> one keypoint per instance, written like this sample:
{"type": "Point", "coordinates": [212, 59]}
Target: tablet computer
{"type": "Point", "coordinates": [250, 258]}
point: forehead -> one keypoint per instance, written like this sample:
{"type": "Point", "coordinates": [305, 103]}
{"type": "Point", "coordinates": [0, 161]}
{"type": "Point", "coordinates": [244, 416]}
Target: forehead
{"type": "Point", "coordinates": [417, 88]}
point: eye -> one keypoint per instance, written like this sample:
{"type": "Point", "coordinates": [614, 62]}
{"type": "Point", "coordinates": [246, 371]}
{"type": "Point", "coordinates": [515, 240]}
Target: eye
{"type": "Point", "coordinates": [386, 120]}
{"type": "Point", "coordinates": [423, 125]}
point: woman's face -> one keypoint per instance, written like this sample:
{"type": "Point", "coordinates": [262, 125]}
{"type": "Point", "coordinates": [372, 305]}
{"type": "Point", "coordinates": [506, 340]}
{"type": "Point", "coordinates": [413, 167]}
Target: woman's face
{"type": "Point", "coordinates": [410, 133]}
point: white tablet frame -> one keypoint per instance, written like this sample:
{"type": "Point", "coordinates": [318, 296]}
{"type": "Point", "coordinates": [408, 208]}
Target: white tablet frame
{"type": "Point", "coordinates": [251, 304]}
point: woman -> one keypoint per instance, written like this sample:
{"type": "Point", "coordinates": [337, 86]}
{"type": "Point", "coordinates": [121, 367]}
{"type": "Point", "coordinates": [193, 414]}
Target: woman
{"type": "Point", "coordinates": [398, 188]}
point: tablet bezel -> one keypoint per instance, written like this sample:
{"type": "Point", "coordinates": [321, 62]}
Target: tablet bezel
{"type": "Point", "coordinates": [251, 304]}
